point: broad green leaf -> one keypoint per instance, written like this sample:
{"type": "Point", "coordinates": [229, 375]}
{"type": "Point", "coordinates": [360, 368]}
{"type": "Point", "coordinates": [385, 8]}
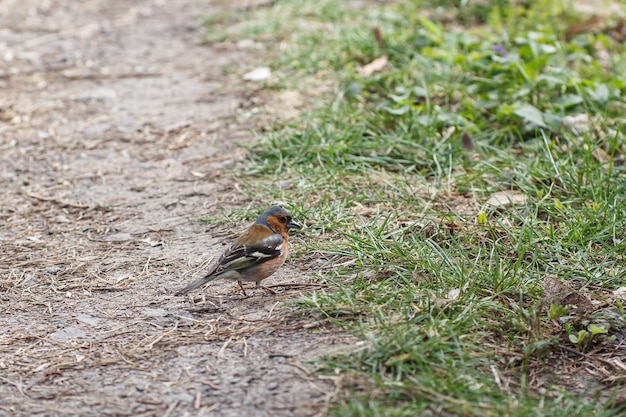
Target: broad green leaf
{"type": "Point", "coordinates": [399, 111]}
{"type": "Point", "coordinates": [600, 93]}
{"type": "Point", "coordinates": [530, 114]}
{"type": "Point", "coordinates": [597, 329]}
{"type": "Point", "coordinates": [568, 100]}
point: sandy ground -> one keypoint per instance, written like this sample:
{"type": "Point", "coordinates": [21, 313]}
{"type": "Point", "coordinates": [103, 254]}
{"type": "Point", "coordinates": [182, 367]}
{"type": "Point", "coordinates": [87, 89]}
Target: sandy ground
{"type": "Point", "coordinates": [115, 129]}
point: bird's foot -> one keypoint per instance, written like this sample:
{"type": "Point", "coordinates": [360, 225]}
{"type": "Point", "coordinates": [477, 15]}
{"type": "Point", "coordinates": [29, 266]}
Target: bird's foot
{"type": "Point", "coordinates": [242, 289]}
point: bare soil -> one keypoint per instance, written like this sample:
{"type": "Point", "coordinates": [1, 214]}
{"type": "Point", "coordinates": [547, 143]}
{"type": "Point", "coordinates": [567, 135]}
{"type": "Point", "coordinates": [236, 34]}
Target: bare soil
{"type": "Point", "coordinates": [115, 132]}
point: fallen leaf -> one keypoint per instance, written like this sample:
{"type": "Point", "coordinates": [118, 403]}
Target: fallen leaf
{"type": "Point", "coordinates": [431, 331]}
{"type": "Point", "coordinates": [562, 293]}
{"type": "Point", "coordinates": [450, 297]}
{"type": "Point", "coordinates": [554, 287]}
{"type": "Point", "coordinates": [258, 74]}
{"type": "Point", "coordinates": [594, 23]}
{"type": "Point", "coordinates": [453, 294]}
{"type": "Point", "coordinates": [376, 65]}
{"type": "Point", "coordinates": [466, 142]}
{"type": "Point", "coordinates": [363, 210]}
{"type": "Point", "coordinates": [577, 124]}
{"type": "Point", "coordinates": [152, 243]}
{"type": "Point", "coordinates": [507, 198]}
{"type": "Point", "coordinates": [618, 32]}
{"type": "Point", "coordinates": [620, 292]}
{"type": "Point", "coordinates": [601, 155]}
{"type": "Point", "coordinates": [378, 35]}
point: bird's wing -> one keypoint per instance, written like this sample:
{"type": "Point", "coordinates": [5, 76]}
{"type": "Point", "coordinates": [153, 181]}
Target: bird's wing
{"type": "Point", "coordinates": [238, 256]}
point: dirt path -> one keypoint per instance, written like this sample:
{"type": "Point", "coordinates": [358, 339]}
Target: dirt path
{"type": "Point", "coordinates": [114, 129]}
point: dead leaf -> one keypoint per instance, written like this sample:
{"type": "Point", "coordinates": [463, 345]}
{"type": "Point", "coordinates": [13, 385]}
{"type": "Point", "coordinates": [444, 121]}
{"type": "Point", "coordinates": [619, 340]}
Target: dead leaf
{"type": "Point", "coordinates": [618, 32]}
{"type": "Point", "coordinates": [577, 124]}
{"type": "Point", "coordinates": [376, 65]}
{"type": "Point", "coordinates": [378, 36]}
{"type": "Point", "coordinates": [507, 198]}
{"type": "Point", "coordinates": [601, 155]}
{"type": "Point", "coordinates": [448, 299]}
{"type": "Point", "coordinates": [466, 142]}
{"type": "Point", "coordinates": [453, 294]}
{"type": "Point", "coordinates": [562, 293]}
{"type": "Point", "coordinates": [363, 210]}
{"type": "Point", "coordinates": [152, 243]}
{"type": "Point", "coordinates": [426, 230]}
{"type": "Point", "coordinates": [594, 23]}
{"type": "Point", "coordinates": [553, 287]}
{"type": "Point", "coordinates": [258, 74]}
{"type": "Point", "coordinates": [620, 292]}
{"type": "Point", "coordinates": [431, 331]}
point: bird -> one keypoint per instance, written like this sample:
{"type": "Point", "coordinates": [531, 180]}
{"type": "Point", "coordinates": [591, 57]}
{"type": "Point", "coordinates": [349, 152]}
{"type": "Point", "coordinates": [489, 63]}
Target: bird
{"type": "Point", "coordinates": [256, 254]}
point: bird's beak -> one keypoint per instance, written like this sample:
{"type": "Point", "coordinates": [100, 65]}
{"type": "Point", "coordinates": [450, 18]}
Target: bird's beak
{"type": "Point", "coordinates": [293, 225]}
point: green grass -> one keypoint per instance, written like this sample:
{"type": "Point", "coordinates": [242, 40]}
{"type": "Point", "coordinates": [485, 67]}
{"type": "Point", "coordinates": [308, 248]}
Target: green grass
{"type": "Point", "coordinates": [451, 296]}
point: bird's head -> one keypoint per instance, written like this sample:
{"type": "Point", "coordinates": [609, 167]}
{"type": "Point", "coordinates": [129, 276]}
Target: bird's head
{"type": "Point", "coordinates": [277, 219]}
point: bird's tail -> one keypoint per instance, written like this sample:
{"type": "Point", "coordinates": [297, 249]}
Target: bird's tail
{"type": "Point", "coordinates": [196, 284]}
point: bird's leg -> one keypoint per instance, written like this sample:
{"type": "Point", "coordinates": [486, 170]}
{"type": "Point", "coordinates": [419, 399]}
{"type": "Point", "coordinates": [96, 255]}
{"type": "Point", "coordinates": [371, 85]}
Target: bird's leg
{"type": "Point", "coordinates": [242, 289]}
{"type": "Point", "coordinates": [258, 284]}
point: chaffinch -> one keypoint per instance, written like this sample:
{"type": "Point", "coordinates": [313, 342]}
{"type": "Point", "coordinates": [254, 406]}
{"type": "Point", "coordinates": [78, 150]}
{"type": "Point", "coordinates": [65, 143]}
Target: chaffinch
{"type": "Point", "coordinates": [256, 254]}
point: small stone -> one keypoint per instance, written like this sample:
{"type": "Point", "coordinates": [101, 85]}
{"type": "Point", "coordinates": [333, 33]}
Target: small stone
{"type": "Point", "coordinates": [53, 270]}
{"type": "Point", "coordinates": [87, 319]}
{"type": "Point", "coordinates": [67, 334]}
{"type": "Point", "coordinates": [154, 312]}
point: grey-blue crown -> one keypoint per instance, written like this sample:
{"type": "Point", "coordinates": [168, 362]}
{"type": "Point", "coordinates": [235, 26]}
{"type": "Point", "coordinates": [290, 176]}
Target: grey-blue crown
{"type": "Point", "coordinates": [272, 211]}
